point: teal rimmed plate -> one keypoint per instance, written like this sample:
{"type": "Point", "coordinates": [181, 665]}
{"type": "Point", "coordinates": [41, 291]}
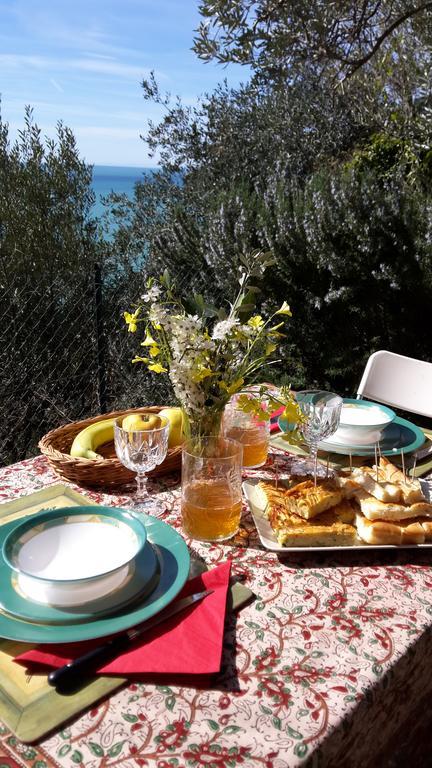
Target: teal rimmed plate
{"type": "Point", "coordinates": [173, 558]}
{"type": "Point", "coordinates": [399, 436]}
{"type": "Point", "coordinates": [74, 544]}
{"type": "Point", "coordinates": [139, 583]}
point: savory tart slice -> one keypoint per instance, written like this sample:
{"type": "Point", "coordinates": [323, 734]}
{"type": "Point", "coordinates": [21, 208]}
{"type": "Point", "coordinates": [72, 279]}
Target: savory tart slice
{"type": "Point", "coordinates": [308, 500]}
{"type": "Point", "coordinates": [335, 527]}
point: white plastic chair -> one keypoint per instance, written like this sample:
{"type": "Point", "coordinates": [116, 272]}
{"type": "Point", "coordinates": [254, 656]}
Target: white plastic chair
{"type": "Point", "coordinates": [398, 381]}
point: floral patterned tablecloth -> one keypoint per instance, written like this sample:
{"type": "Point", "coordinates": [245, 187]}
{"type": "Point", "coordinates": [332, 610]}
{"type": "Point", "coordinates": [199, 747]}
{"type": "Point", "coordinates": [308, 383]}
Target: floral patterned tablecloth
{"type": "Point", "coordinates": [328, 666]}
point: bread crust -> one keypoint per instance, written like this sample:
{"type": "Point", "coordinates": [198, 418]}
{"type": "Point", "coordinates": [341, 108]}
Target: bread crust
{"type": "Point", "coordinates": [374, 509]}
{"type": "Point", "coordinates": [381, 532]}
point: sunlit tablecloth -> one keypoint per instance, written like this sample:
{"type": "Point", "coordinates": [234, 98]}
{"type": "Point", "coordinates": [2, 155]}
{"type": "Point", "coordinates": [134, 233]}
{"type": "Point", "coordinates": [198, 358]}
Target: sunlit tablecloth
{"type": "Point", "coordinates": [330, 665]}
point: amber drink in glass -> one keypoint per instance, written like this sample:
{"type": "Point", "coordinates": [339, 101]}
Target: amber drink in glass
{"type": "Point", "coordinates": [251, 432]}
{"type": "Point", "coordinates": [211, 488]}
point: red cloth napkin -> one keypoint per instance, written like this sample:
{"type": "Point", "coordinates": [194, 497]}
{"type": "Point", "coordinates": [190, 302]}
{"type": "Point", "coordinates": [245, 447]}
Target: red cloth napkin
{"type": "Point", "coordinates": [188, 643]}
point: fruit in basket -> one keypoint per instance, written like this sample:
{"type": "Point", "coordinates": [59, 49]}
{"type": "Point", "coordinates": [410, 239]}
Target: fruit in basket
{"type": "Point", "coordinates": [140, 422]}
{"type": "Point", "coordinates": [90, 438]}
{"type": "Point", "coordinates": [175, 418]}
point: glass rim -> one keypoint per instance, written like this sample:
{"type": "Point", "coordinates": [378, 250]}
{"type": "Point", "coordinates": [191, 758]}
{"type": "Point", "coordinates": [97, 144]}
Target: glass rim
{"type": "Point", "coordinates": [237, 447]}
{"type": "Point", "coordinates": [119, 419]}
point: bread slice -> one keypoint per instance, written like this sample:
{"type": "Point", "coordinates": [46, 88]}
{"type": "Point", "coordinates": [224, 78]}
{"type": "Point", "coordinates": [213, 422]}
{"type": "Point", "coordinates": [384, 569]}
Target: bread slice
{"type": "Point", "coordinates": [381, 532]}
{"type": "Point", "coordinates": [374, 509]}
{"type": "Point", "coordinates": [334, 527]}
{"type": "Point", "coordinates": [307, 500]}
{"type": "Point", "coordinates": [411, 491]}
{"type": "Point", "coordinates": [427, 527]}
{"type": "Point", "coordinates": [365, 477]}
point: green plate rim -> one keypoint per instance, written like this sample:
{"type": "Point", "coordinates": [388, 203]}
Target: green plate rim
{"type": "Point", "coordinates": [16, 605]}
{"type": "Point", "coordinates": [171, 549]}
{"type": "Point", "coordinates": [24, 525]}
{"type": "Point", "coordinates": [345, 450]}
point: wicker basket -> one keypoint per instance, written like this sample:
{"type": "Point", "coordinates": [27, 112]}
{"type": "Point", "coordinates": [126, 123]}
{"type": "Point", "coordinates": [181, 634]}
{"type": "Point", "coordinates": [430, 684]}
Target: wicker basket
{"type": "Point", "coordinates": [106, 472]}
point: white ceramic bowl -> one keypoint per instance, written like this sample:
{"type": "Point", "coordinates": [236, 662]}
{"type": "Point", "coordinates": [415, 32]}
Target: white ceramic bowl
{"type": "Point", "coordinates": [74, 555]}
{"type": "Point", "coordinates": [362, 422]}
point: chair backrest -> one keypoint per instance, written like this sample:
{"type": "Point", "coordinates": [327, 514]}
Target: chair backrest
{"type": "Point", "coordinates": [399, 381]}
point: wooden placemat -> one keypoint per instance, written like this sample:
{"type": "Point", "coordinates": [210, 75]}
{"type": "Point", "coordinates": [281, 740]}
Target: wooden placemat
{"type": "Point", "coordinates": [28, 705]}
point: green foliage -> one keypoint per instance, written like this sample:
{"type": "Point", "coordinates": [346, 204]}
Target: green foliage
{"type": "Point", "coordinates": [333, 182]}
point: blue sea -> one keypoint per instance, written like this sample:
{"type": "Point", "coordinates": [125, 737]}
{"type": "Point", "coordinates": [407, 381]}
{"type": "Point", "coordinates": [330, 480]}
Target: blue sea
{"type": "Point", "coordinates": [110, 178]}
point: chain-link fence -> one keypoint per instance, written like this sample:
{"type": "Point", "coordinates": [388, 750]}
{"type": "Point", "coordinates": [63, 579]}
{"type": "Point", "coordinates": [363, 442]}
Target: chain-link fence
{"type": "Point", "coordinates": [65, 354]}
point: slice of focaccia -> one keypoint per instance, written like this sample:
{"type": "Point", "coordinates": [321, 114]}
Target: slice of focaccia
{"type": "Point", "coordinates": [385, 532]}
{"type": "Point", "coordinates": [411, 491]}
{"type": "Point", "coordinates": [307, 500]}
{"type": "Point", "coordinates": [374, 509]}
{"type": "Point", "coordinates": [334, 527]}
{"type": "Point", "coordinates": [381, 489]}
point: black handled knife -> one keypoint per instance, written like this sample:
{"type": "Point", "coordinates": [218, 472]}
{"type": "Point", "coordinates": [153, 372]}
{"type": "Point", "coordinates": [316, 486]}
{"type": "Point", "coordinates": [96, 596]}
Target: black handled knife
{"type": "Point", "coordinates": [71, 676]}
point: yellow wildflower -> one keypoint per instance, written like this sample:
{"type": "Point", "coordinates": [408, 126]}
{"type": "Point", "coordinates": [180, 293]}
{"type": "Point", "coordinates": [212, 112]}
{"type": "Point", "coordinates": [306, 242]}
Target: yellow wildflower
{"type": "Point", "coordinates": [154, 351]}
{"type": "Point", "coordinates": [256, 322]}
{"type": "Point", "coordinates": [284, 310]}
{"type": "Point", "coordinates": [233, 387]}
{"type": "Point", "coordinates": [130, 320]}
{"type": "Point", "coordinates": [270, 348]}
{"type": "Point", "coordinates": [157, 368]}
{"type": "Point", "coordinates": [291, 413]}
{"type": "Point", "coordinates": [149, 341]}
{"type": "Point", "coordinates": [138, 359]}
{"type": "Point", "coordinates": [201, 373]}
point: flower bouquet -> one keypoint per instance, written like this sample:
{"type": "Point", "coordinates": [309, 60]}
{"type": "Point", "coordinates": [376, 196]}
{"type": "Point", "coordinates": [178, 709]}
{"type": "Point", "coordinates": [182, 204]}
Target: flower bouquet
{"type": "Point", "coordinates": [212, 353]}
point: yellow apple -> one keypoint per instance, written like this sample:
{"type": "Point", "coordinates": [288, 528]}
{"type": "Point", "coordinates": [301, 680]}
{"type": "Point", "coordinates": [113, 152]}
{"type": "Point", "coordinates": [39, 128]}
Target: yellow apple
{"type": "Point", "coordinates": [175, 418]}
{"type": "Point", "coordinates": [137, 422]}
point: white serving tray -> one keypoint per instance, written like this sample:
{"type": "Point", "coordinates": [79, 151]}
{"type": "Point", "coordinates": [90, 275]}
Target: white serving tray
{"type": "Point", "coordinates": [257, 503]}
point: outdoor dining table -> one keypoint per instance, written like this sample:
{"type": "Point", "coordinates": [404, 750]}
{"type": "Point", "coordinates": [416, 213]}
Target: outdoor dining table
{"type": "Point", "coordinates": [329, 665]}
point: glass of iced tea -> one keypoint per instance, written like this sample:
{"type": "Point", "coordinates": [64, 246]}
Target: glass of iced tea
{"type": "Point", "coordinates": [251, 432]}
{"type": "Point", "coordinates": [211, 488]}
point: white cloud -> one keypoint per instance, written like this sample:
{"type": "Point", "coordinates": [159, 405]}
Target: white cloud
{"type": "Point", "coordinates": [56, 85]}
{"type": "Point", "coordinates": [98, 66]}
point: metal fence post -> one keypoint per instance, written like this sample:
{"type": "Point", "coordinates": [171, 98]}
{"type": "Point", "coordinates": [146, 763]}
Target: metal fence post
{"type": "Point", "coordinates": [100, 340]}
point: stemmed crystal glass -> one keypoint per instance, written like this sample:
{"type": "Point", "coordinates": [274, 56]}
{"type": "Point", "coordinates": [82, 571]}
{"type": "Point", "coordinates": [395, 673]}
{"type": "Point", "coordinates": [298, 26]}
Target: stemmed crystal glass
{"type": "Point", "coordinates": [322, 412]}
{"type": "Point", "coordinates": [141, 450]}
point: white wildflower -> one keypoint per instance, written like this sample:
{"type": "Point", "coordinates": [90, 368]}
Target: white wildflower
{"type": "Point", "coordinates": [223, 328]}
{"type": "Point", "coordinates": [152, 294]}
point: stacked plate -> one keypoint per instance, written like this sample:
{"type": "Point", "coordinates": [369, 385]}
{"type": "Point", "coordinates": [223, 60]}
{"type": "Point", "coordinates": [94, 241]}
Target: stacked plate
{"type": "Point", "coordinates": [84, 572]}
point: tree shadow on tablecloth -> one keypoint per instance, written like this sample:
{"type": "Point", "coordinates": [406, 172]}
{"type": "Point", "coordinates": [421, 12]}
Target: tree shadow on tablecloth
{"type": "Point", "coordinates": [348, 557]}
{"type": "Point", "coordinates": [391, 727]}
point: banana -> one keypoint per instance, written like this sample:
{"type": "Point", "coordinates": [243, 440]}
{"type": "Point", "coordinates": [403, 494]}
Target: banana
{"type": "Point", "coordinates": [91, 438]}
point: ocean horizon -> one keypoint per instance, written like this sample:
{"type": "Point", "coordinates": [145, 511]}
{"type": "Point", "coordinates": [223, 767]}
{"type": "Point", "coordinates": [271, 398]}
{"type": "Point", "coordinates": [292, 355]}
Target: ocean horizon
{"type": "Point", "coordinates": [115, 178]}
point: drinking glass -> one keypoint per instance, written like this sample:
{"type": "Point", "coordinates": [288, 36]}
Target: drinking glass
{"type": "Point", "coordinates": [141, 450]}
{"type": "Point", "coordinates": [211, 488]}
{"type": "Point", "coordinates": [251, 432]}
{"type": "Point", "coordinates": [322, 412]}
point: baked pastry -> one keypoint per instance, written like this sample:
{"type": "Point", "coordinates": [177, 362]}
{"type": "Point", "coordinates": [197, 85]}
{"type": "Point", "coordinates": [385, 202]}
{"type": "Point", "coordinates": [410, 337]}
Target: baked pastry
{"type": "Point", "coordinates": [373, 509]}
{"type": "Point", "coordinates": [334, 527]}
{"type": "Point", "coordinates": [386, 532]}
{"type": "Point", "coordinates": [365, 477]}
{"type": "Point", "coordinates": [411, 491]}
{"type": "Point", "coordinates": [308, 500]}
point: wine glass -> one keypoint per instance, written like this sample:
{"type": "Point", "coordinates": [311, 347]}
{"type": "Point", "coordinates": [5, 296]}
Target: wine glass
{"type": "Point", "coordinates": [322, 412]}
{"type": "Point", "coordinates": [141, 450]}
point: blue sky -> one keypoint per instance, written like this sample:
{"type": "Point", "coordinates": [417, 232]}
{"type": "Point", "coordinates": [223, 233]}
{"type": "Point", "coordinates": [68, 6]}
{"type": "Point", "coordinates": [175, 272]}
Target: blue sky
{"type": "Point", "coordinates": [83, 61]}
